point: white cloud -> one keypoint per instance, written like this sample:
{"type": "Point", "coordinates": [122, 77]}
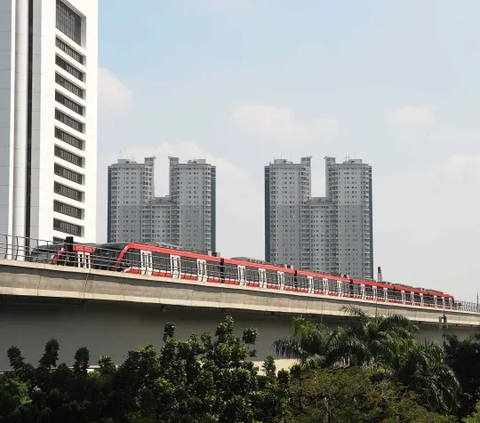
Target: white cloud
{"type": "Point", "coordinates": [239, 197]}
{"type": "Point", "coordinates": [427, 228]}
{"type": "Point", "coordinates": [279, 123]}
{"type": "Point", "coordinates": [113, 94]}
{"type": "Point", "coordinates": [412, 116]}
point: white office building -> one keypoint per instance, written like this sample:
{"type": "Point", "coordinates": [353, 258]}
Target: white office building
{"type": "Point", "coordinates": [130, 186]}
{"type": "Point", "coordinates": [333, 234]}
{"type": "Point", "coordinates": [186, 217]}
{"type": "Point", "coordinates": [48, 118]}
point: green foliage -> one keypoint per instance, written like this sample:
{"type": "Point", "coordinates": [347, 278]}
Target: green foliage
{"type": "Point", "coordinates": [374, 370]}
{"type": "Point", "coordinates": [203, 379]}
{"type": "Point", "coordinates": [354, 395]}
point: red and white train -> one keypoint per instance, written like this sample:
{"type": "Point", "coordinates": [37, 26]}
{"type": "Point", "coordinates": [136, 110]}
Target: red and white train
{"type": "Point", "coordinates": [172, 262]}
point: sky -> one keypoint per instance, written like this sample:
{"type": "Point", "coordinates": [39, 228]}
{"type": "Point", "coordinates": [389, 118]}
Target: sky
{"type": "Point", "coordinates": [241, 82]}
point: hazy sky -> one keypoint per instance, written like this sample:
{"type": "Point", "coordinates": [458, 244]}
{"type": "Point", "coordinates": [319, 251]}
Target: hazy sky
{"type": "Point", "coordinates": [240, 82]}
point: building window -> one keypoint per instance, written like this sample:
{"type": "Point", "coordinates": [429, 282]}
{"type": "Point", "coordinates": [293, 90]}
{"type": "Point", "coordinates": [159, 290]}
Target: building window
{"type": "Point", "coordinates": [66, 227]}
{"type": "Point", "coordinates": [68, 174]}
{"type": "Point", "coordinates": [67, 209]}
{"type": "Point", "coordinates": [80, 58]}
{"type": "Point", "coordinates": [70, 86]}
{"type": "Point", "coordinates": [69, 139]}
{"type": "Point", "coordinates": [69, 121]}
{"type": "Point", "coordinates": [65, 101]}
{"type": "Point", "coordinates": [69, 68]}
{"type": "Point", "coordinates": [69, 22]}
{"type": "Point", "coordinates": [69, 157]}
{"type": "Point", "coordinates": [68, 192]}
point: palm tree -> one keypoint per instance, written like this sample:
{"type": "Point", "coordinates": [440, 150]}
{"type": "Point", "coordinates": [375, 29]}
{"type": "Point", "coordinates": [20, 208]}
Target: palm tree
{"type": "Point", "coordinates": [310, 343]}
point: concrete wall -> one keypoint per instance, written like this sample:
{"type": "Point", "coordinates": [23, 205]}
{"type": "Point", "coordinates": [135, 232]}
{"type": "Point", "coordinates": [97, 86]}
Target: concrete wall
{"type": "Point", "coordinates": [109, 328]}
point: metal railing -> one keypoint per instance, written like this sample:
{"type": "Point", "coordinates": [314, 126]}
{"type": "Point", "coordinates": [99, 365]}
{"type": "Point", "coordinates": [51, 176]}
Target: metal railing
{"type": "Point", "coordinates": [91, 256]}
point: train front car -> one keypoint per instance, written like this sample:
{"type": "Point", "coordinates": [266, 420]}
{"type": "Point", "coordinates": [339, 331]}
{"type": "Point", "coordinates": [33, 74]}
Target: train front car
{"type": "Point", "coordinates": [109, 256]}
{"type": "Point", "coordinates": [45, 253]}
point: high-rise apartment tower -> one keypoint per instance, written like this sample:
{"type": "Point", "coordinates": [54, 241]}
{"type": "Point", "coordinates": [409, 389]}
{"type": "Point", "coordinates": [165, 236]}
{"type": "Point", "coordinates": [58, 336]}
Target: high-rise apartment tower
{"type": "Point", "coordinates": [48, 118]}
{"type": "Point", "coordinates": [186, 217]}
{"type": "Point", "coordinates": [130, 185]}
{"type": "Point", "coordinates": [334, 233]}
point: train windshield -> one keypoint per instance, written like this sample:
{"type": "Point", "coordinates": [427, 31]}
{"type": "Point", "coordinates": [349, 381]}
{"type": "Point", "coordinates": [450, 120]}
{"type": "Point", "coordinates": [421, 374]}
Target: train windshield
{"type": "Point", "coordinates": [45, 254]}
{"type": "Point", "coordinates": [105, 256]}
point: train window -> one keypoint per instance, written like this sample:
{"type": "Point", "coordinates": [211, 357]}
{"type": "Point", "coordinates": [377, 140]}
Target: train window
{"type": "Point", "coordinates": [251, 274]}
{"type": "Point", "coordinates": [189, 266]}
{"type": "Point", "coordinates": [161, 262]}
{"type": "Point", "coordinates": [231, 272]}
{"type": "Point", "coordinates": [303, 283]}
{"type": "Point", "coordinates": [395, 295]}
{"type": "Point", "coordinates": [131, 258]}
{"type": "Point", "coordinates": [429, 300]}
{"type": "Point", "coordinates": [271, 278]}
{"type": "Point", "coordinates": [289, 281]}
{"type": "Point", "coordinates": [214, 271]}
{"type": "Point", "coordinates": [417, 298]}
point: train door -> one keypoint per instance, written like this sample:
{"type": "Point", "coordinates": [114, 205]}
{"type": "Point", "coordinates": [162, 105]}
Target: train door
{"type": "Point", "coordinates": [450, 303]}
{"type": "Point", "coordinates": [340, 288]}
{"type": "Point", "coordinates": [412, 298]}
{"type": "Point", "coordinates": [435, 301]}
{"type": "Point", "coordinates": [262, 277]}
{"type": "Point", "coordinates": [241, 275]}
{"type": "Point", "coordinates": [404, 297]}
{"type": "Point", "coordinates": [83, 260]}
{"type": "Point", "coordinates": [325, 286]}
{"type": "Point", "coordinates": [175, 266]}
{"type": "Point", "coordinates": [310, 284]}
{"type": "Point", "coordinates": [421, 299]}
{"type": "Point", "coordinates": [374, 291]}
{"type": "Point", "coordinates": [385, 295]}
{"type": "Point", "coordinates": [281, 280]}
{"type": "Point", "coordinates": [443, 302]}
{"type": "Point", "coordinates": [146, 262]}
{"type": "Point", "coordinates": [362, 291]}
{"type": "Point", "coordinates": [201, 270]}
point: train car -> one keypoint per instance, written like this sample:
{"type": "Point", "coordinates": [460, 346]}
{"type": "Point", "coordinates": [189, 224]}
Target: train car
{"type": "Point", "coordinates": [169, 261]}
{"type": "Point", "coordinates": [158, 260]}
{"type": "Point", "coordinates": [75, 255]}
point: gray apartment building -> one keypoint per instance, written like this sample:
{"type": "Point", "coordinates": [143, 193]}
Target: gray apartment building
{"type": "Point", "coordinates": [333, 234]}
{"type": "Point", "coordinates": [186, 217]}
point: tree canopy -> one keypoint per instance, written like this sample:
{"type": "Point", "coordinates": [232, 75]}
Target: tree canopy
{"type": "Point", "coordinates": [374, 370]}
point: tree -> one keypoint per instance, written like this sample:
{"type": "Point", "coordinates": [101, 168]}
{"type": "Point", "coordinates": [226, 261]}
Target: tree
{"type": "Point", "coordinates": [381, 343]}
{"type": "Point", "coordinates": [354, 395]}
{"type": "Point", "coordinates": [463, 356]}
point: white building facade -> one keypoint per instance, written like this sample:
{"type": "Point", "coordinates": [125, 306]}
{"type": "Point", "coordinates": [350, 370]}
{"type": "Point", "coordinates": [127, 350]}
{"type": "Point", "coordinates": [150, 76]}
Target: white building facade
{"type": "Point", "coordinates": [333, 234]}
{"type": "Point", "coordinates": [48, 118]}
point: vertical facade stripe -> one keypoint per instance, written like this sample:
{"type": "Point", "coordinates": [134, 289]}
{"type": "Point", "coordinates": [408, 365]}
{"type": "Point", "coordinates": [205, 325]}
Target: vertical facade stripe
{"type": "Point", "coordinates": [213, 207]}
{"type": "Point", "coordinates": [109, 222]}
{"type": "Point", "coordinates": [28, 174]}
{"type": "Point", "coordinates": [267, 214]}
